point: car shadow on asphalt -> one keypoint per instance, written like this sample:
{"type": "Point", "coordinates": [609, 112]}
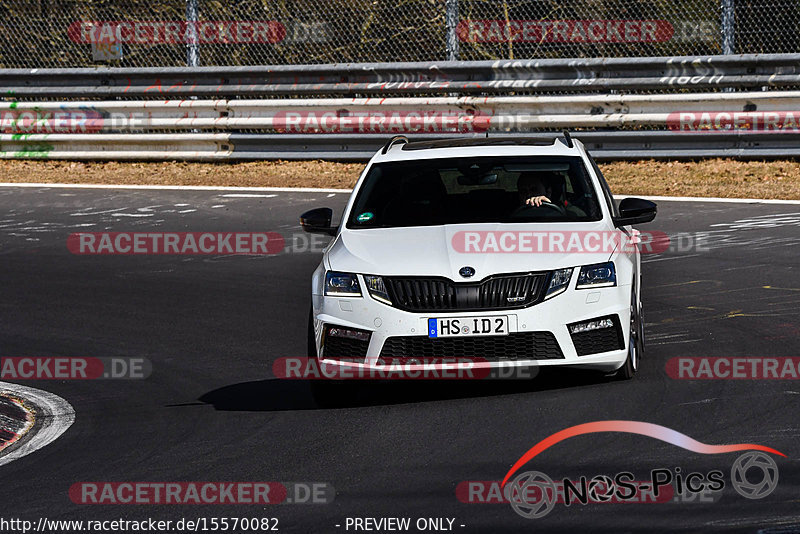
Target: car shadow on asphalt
{"type": "Point", "coordinates": [288, 395]}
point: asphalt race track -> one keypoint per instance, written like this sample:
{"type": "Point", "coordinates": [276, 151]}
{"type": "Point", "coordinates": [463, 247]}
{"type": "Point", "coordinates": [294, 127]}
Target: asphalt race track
{"type": "Point", "coordinates": [211, 411]}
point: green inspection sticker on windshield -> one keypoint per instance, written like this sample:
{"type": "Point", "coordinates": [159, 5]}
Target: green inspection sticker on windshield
{"type": "Point", "coordinates": [366, 216]}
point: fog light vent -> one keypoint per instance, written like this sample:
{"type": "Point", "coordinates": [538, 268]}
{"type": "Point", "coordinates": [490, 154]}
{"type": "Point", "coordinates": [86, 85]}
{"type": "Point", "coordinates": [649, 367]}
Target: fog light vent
{"type": "Point", "coordinates": [587, 326]}
{"type": "Point", "coordinates": [601, 334]}
{"type": "Point", "coordinates": [348, 333]}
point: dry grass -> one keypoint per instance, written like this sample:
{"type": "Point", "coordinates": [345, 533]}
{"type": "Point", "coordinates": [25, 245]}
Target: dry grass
{"type": "Point", "coordinates": [253, 174]}
{"type": "Point", "coordinates": [707, 178]}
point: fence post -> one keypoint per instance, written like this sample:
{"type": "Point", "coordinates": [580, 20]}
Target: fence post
{"type": "Point", "coordinates": [191, 33]}
{"type": "Point", "coordinates": [451, 23]}
{"type": "Point", "coordinates": [728, 27]}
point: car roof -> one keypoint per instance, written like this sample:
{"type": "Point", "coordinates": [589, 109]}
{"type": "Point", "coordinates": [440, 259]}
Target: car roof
{"type": "Point", "coordinates": [399, 148]}
{"type": "Point", "coordinates": [475, 142]}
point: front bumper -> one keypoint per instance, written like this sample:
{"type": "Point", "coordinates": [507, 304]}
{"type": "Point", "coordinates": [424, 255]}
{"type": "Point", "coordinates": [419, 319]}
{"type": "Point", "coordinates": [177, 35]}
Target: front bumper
{"type": "Point", "coordinates": [545, 322]}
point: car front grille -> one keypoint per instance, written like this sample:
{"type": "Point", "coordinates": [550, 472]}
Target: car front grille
{"type": "Point", "coordinates": [502, 292]}
{"type": "Point", "coordinates": [600, 340]}
{"type": "Point", "coordinates": [515, 346]}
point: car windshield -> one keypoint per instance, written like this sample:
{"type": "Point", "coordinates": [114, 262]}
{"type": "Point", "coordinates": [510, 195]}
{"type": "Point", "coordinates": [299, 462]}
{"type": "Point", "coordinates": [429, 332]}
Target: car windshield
{"type": "Point", "coordinates": [475, 190]}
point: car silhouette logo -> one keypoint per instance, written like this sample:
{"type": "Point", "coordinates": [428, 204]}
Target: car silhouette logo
{"type": "Point", "coordinates": [466, 272]}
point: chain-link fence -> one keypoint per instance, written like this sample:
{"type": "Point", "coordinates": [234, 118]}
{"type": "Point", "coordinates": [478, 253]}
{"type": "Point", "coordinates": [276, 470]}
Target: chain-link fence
{"type": "Point", "coordinates": [133, 33]}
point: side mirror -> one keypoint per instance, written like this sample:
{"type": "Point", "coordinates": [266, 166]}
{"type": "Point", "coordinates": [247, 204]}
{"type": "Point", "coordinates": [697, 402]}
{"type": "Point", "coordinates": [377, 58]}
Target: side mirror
{"type": "Point", "coordinates": [635, 211]}
{"type": "Point", "coordinates": [318, 221]}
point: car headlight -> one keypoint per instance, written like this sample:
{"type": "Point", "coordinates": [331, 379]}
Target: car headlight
{"type": "Point", "coordinates": [597, 275]}
{"type": "Point", "coordinates": [377, 289]}
{"type": "Point", "coordinates": [559, 280]}
{"type": "Point", "coordinates": [341, 284]}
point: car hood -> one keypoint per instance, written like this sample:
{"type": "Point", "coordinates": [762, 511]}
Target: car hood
{"type": "Point", "coordinates": [432, 251]}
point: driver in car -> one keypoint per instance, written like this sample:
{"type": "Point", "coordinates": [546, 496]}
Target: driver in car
{"type": "Point", "coordinates": [537, 187]}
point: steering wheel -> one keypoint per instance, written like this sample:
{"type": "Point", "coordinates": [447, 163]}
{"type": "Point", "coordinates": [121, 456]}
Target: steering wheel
{"type": "Point", "coordinates": [550, 205]}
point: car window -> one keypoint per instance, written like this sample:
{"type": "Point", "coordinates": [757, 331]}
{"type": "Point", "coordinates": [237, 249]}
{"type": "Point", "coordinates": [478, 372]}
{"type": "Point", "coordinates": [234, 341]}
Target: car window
{"type": "Point", "coordinates": [478, 189]}
{"type": "Point", "coordinates": [612, 205]}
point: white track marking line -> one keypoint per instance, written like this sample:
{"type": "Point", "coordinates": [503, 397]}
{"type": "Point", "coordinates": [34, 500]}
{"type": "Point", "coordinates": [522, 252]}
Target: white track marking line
{"type": "Point", "coordinates": [54, 414]}
{"type": "Point", "coordinates": [670, 258]}
{"type": "Point", "coordinates": [324, 190]}
{"type": "Point", "coordinates": [714, 199]}
{"type": "Point", "coordinates": [83, 212]}
{"type": "Point", "coordinates": [182, 187]}
{"type": "Point", "coordinates": [246, 195]}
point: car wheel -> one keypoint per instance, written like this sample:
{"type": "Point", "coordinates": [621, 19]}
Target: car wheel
{"type": "Point", "coordinates": [635, 342]}
{"type": "Point", "coordinates": [327, 393]}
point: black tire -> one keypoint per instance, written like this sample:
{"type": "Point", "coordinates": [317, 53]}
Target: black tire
{"type": "Point", "coordinates": [312, 342]}
{"type": "Point", "coordinates": [635, 342]}
{"type": "Point", "coordinates": [327, 393]}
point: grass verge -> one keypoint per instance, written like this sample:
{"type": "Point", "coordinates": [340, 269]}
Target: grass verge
{"type": "Point", "coordinates": [726, 178]}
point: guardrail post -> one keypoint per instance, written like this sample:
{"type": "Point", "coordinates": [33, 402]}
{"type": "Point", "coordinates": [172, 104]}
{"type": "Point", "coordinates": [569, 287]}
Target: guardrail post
{"type": "Point", "coordinates": [451, 24]}
{"type": "Point", "coordinates": [191, 33]}
{"type": "Point", "coordinates": [728, 27]}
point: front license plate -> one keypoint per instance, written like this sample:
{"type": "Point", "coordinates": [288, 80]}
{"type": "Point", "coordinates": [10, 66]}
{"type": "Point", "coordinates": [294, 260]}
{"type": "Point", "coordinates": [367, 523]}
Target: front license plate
{"type": "Point", "coordinates": [468, 326]}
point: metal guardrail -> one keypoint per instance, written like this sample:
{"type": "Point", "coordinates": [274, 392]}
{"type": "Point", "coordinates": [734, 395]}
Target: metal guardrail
{"type": "Point", "coordinates": [215, 115]}
{"type": "Point", "coordinates": [495, 113]}
{"type": "Point", "coordinates": [478, 77]}
{"type": "Point", "coordinates": [186, 147]}
{"type": "Point", "coordinates": [604, 145]}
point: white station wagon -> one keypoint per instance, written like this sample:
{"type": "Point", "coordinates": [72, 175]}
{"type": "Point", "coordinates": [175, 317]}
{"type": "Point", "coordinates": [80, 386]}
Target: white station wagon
{"type": "Point", "coordinates": [508, 251]}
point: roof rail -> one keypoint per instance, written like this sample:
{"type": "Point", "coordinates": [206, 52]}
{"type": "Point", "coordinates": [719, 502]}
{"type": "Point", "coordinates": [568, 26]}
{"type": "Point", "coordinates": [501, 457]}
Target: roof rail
{"type": "Point", "coordinates": [568, 139]}
{"type": "Point", "coordinates": [392, 141]}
